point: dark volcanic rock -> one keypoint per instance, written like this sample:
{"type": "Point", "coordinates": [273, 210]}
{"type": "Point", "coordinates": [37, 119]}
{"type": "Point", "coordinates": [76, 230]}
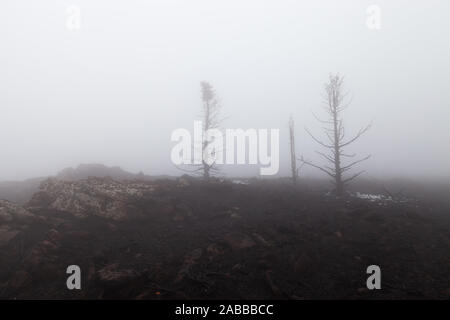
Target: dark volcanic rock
{"type": "Point", "coordinates": [112, 275]}
{"type": "Point", "coordinates": [6, 235]}
{"type": "Point", "coordinates": [172, 239]}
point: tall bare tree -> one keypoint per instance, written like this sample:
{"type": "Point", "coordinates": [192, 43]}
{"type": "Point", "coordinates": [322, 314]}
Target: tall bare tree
{"type": "Point", "coordinates": [334, 130]}
{"type": "Point", "coordinates": [210, 115]}
{"type": "Point", "coordinates": [204, 153]}
{"type": "Point", "coordinates": [294, 168]}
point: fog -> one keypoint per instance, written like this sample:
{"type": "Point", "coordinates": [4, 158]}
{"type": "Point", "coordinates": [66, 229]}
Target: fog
{"type": "Point", "coordinates": [113, 90]}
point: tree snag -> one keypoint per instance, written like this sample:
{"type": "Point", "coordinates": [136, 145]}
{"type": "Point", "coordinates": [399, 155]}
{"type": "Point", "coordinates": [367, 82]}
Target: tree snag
{"type": "Point", "coordinates": [335, 132]}
{"type": "Point", "coordinates": [294, 168]}
{"type": "Point", "coordinates": [210, 113]}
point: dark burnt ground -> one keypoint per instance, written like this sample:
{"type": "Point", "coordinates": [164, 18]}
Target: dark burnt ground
{"type": "Point", "coordinates": [226, 241]}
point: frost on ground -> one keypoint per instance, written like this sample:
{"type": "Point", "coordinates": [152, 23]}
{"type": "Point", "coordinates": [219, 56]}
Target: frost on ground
{"type": "Point", "coordinates": [238, 181]}
{"type": "Point", "coordinates": [380, 198]}
{"type": "Point", "coordinates": [373, 197]}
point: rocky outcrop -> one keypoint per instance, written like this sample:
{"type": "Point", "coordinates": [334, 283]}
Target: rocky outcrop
{"type": "Point", "coordinates": [13, 218]}
{"type": "Point", "coordinates": [102, 197]}
{"type": "Point", "coordinates": [7, 234]}
{"type": "Point", "coordinates": [85, 171]}
{"type": "Point", "coordinates": [11, 212]}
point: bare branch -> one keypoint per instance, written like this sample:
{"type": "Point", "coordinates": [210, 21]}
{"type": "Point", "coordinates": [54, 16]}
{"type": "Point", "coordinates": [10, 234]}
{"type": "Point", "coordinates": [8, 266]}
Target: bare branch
{"type": "Point", "coordinates": [320, 120]}
{"type": "Point", "coordinates": [348, 167]}
{"type": "Point", "coordinates": [318, 141]}
{"type": "Point", "coordinates": [353, 177]}
{"type": "Point", "coordinates": [326, 157]}
{"type": "Point", "coordinates": [320, 168]}
{"type": "Point", "coordinates": [360, 133]}
{"type": "Point", "coordinates": [347, 155]}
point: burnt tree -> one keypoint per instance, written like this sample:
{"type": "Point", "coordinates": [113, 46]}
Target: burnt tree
{"type": "Point", "coordinates": [334, 131]}
{"type": "Point", "coordinates": [294, 168]}
{"type": "Point", "coordinates": [210, 114]}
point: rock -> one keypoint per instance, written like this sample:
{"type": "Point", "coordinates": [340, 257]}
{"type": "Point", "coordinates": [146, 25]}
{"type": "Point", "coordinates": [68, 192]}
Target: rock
{"type": "Point", "coordinates": [235, 215]}
{"type": "Point", "coordinates": [238, 241]}
{"type": "Point", "coordinates": [190, 260]}
{"type": "Point", "coordinates": [112, 275]}
{"type": "Point", "coordinates": [233, 212]}
{"type": "Point", "coordinates": [238, 267]}
{"type": "Point", "coordinates": [192, 257]}
{"type": "Point", "coordinates": [178, 217]}
{"type": "Point", "coordinates": [40, 199]}
{"type": "Point", "coordinates": [185, 181]}
{"type": "Point", "coordinates": [49, 245]}
{"type": "Point", "coordinates": [102, 197]}
{"type": "Point", "coordinates": [6, 235]}
{"type": "Point", "coordinates": [261, 240]}
{"type": "Point", "coordinates": [35, 257]}
{"type": "Point", "coordinates": [44, 252]}
{"type": "Point", "coordinates": [54, 235]}
{"type": "Point", "coordinates": [112, 227]}
{"type": "Point", "coordinates": [5, 216]}
{"type": "Point", "coordinates": [84, 171]}
{"type": "Point", "coordinates": [182, 183]}
{"type": "Point", "coordinates": [214, 250]}
{"type": "Point", "coordinates": [182, 212]}
{"type": "Point", "coordinates": [269, 280]}
{"type": "Point", "coordinates": [10, 211]}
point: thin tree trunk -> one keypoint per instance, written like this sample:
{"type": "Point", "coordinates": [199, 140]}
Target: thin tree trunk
{"type": "Point", "coordinates": [337, 157]}
{"type": "Point", "coordinates": [293, 156]}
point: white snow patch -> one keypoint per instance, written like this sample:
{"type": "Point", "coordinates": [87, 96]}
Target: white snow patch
{"type": "Point", "coordinates": [237, 181]}
{"type": "Point", "coordinates": [373, 197]}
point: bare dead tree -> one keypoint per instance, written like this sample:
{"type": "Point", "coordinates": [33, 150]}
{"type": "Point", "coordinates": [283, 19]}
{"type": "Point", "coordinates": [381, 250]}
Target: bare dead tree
{"type": "Point", "coordinates": [294, 168]}
{"type": "Point", "coordinates": [210, 115]}
{"type": "Point", "coordinates": [334, 130]}
{"type": "Point", "coordinates": [204, 159]}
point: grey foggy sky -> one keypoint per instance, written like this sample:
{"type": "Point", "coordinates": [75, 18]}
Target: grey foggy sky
{"type": "Point", "coordinates": [113, 91]}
